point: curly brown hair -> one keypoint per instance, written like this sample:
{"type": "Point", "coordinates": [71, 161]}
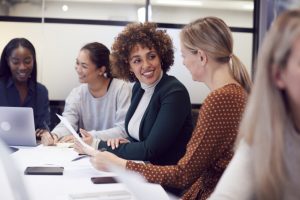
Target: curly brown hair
{"type": "Point", "coordinates": [147, 35]}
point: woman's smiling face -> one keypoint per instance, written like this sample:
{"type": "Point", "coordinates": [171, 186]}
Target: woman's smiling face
{"type": "Point", "coordinates": [85, 68]}
{"type": "Point", "coordinates": [21, 64]}
{"type": "Point", "coordinates": [145, 64]}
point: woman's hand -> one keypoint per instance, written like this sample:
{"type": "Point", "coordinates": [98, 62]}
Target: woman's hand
{"type": "Point", "coordinates": [48, 139]}
{"type": "Point", "coordinates": [39, 132]}
{"type": "Point", "coordinates": [101, 160]}
{"type": "Point", "coordinates": [79, 148]}
{"type": "Point", "coordinates": [86, 137]}
{"type": "Point", "coordinates": [114, 143]}
{"type": "Point", "coordinates": [67, 138]}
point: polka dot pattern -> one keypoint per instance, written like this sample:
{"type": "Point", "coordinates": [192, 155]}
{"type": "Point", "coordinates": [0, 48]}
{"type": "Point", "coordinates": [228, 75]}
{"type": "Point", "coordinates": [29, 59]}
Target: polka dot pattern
{"type": "Point", "coordinates": [209, 150]}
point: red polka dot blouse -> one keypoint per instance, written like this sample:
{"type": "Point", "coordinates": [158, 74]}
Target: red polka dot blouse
{"type": "Point", "coordinates": [209, 150]}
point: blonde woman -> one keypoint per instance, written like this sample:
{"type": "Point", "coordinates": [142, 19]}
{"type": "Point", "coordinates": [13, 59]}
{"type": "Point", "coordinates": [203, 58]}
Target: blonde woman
{"type": "Point", "coordinates": [267, 162]}
{"type": "Point", "coordinates": [206, 46]}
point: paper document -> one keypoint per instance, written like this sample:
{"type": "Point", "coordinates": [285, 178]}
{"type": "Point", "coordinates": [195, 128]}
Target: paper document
{"type": "Point", "coordinates": [71, 129]}
{"type": "Point", "coordinates": [139, 187]}
{"type": "Point", "coordinates": [111, 195]}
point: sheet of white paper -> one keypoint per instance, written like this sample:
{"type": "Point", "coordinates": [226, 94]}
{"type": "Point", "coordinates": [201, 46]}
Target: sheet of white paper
{"type": "Point", "coordinates": [44, 155]}
{"type": "Point", "coordinates": [71, 129]}
{"type": "Point", "coordinates": [75, 180]}
{"type": "Point", "coordinates": [139, 187]}
{"type": "Point", "coordinates": [109, 195]}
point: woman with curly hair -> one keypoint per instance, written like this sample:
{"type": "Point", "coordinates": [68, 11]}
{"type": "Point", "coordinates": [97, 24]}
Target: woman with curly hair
{"type": "Point", "coordinates": [158, 122]}
{"type": "Point", "coordinates": [207, 51]}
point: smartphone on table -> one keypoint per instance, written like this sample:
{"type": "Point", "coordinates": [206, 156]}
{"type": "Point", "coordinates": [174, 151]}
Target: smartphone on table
{"type": "Point", "coordinates": [37, 170]}
{"type": "Point", "coordinates": [104, 180]}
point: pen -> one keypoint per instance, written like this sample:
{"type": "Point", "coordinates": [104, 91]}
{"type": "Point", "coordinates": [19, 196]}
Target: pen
{"type": "Point", "coordinates": [80, 157]}
{"type": "Point", "coordinates": [48, 129]}
{"type": "Point", "coordinates": [84, 154]}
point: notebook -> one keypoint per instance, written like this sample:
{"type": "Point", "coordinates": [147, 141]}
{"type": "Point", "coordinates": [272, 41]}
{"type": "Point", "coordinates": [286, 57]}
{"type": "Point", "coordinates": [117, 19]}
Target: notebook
{"type": "Point", "coordinates": [17, 126]}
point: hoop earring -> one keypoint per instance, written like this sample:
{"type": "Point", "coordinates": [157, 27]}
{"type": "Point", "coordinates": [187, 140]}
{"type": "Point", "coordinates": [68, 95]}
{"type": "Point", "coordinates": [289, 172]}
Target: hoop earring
{"type": "Point", "coordinates": [131, 74]}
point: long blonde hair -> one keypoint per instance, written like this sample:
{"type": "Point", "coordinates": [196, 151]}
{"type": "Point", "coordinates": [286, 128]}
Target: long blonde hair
{"type": "Point", "coordinates": [267, 112]}
{"type": "Point", "coordinates": [212, 35]}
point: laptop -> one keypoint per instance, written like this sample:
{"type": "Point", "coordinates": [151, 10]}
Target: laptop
{"type": "Point", "coordinates": [17, 126]}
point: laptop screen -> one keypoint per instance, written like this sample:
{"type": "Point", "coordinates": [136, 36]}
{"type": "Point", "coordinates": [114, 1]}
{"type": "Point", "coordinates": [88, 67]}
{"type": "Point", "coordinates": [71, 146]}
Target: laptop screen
{"type": "Point", "coordinates": [17, 126]}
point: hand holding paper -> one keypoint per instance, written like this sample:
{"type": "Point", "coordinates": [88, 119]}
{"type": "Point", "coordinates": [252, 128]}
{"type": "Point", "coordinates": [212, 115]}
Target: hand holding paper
{"type": "Point", "coordinates": [71, 129]}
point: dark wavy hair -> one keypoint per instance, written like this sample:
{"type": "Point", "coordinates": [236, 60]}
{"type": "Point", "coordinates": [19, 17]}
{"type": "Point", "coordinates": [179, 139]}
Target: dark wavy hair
{"type": "Point", "coordinates": [13, 44]}
{"type": "Point", "coordinates": [147, 35]}
{"type": "Point", "coordinates": [99, 54]}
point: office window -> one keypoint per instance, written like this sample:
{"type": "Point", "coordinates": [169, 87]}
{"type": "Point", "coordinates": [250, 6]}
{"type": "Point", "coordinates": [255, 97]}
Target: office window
{"type": "Point", "coordinates": [21, 8]}
{"type": "Point", "coordinates": [59, 28]}
{"type": "Point", "coordinates": [119, 10]}
{"type": "Point", "coordinates": [234, 13]}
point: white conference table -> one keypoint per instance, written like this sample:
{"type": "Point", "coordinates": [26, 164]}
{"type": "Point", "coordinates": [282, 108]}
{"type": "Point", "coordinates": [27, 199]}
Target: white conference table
{"type": "Point", "coordinates": [75, 179]}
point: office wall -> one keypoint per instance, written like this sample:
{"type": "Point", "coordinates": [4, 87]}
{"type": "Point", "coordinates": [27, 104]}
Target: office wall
{"type": "Point", "coordinates": [57, 47]}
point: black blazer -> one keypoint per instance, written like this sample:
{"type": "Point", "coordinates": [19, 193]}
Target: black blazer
{"type": "Point", "coordinates": [166, 126]}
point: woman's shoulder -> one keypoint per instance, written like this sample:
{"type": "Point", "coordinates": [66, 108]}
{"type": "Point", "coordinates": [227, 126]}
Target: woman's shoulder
{"type": "Point", "coordinates": [228, 94]}
{"type": "Point", "coordinates": [118, 84]}
{"type": "Point", "coordinates": [2, 83]}
{"type": "Point", "coordinates": [77, 93]}
{"type": "Point", "coordinates": [171, 83]}
{"type": "Point", "coordinates": [230, 90]}
{"type": "Point", "coordinates": [41, 91]}
{"type": "Point", "coordinates": [41, 87]}
{"type": "Point", "coordinates": [80, 88]}
{"type": "Point", "coordinates": [117, 81]}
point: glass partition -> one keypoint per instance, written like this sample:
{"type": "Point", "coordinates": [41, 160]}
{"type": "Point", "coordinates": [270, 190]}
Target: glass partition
{"type": "Point", "coordinates": [234, 13]}
{"type": "Point", "coordinates": [118, 10]}
{"type": "Point", "coordinates": [21, 8]}
{"type": "Point", "coordinates": [237, 13]}
{"type": "Point", "coordinates": [59, 28]}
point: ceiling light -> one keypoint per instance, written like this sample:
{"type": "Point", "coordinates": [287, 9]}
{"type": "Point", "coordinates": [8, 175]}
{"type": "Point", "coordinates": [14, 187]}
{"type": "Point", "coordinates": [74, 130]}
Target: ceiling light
{"type": "Point", "coordinates": [65, 8]}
